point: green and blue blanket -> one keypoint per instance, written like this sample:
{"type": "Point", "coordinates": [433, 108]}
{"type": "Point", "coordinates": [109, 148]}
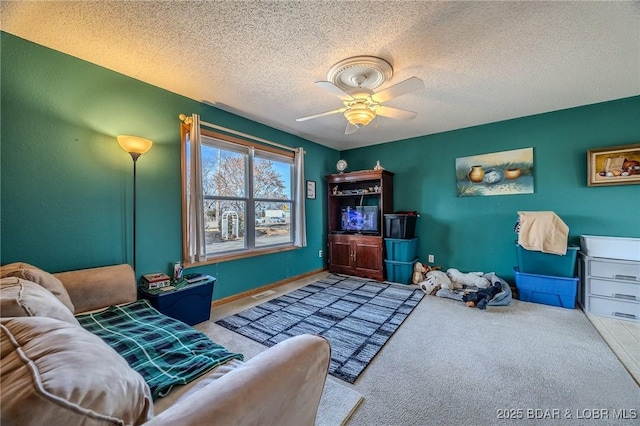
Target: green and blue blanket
{"type": "Point", "coordinates": [165, 351]}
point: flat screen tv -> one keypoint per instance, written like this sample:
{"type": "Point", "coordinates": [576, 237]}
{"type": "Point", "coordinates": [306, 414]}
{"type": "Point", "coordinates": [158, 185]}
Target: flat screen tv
{"type": "Point", "coordinates": [362, 219]}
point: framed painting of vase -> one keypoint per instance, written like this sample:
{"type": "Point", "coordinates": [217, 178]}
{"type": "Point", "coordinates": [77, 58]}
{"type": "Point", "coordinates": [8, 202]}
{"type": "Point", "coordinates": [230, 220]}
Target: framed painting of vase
{"type": "Point", "coordinates": [615, 165]}
{"type": "Point", "coordinates": [497, 173]}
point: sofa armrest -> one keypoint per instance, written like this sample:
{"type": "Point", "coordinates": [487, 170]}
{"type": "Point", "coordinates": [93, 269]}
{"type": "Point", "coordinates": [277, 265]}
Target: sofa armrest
{"type": "Point", "coordinates": [97, 288]}
{"type": "Point", "coordinates": [280, 386]}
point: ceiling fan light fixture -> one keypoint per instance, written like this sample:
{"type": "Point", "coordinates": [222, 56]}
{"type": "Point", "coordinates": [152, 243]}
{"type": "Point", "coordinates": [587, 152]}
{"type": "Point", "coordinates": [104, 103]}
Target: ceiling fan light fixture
{"type": "Point", "coordinates": [353, 80]}
{"type": "Point", "coordinates": [359, 115]}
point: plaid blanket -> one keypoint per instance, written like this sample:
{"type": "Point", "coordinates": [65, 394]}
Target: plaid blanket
{"type": "Point", "coordinates": [165, 351]}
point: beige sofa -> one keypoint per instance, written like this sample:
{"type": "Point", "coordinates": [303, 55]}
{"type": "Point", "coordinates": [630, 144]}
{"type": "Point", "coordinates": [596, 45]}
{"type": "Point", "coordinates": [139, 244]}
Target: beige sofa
{"type": "Point", "coordinates": [55, 372]}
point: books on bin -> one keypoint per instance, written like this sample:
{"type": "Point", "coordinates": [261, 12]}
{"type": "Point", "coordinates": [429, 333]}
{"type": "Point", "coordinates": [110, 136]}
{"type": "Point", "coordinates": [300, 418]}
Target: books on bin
{"type": "Point", "coordinates": [194, 278]}
{"type": "Point", "coordinates": [155, 280]}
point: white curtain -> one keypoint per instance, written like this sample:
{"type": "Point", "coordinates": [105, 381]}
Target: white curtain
{"type": "Point", "coordinates": [195, 219]}
{"type": "Point", "coordinates": [300, 236]}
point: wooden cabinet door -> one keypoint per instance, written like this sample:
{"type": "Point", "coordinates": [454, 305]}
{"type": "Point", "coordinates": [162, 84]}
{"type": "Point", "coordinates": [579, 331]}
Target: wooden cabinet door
{"type": "Point", "coordinates": [340, 255]}
{"type": "Point", "coordinates": [356, 255]}
{"type": "Point", "coordinates": [368, 260]}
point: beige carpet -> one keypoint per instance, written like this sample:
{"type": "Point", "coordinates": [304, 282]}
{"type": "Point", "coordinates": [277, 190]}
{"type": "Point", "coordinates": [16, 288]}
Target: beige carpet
{"type": "Point", "coordinates": [449, 364]}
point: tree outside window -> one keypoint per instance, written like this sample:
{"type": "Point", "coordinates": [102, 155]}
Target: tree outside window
{"type": "Point", "coordinates": [247, 197]}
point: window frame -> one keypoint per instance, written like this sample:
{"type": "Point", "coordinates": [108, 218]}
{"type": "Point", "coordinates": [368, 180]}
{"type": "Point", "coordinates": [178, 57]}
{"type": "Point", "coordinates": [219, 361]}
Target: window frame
{"type": "Point", "coordinates": [248, 251]}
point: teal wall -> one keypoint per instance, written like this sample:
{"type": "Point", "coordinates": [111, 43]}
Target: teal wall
{"type": "Point", "coordinates": [66, 185]}
{"type": "Point", "coordinates": [476, 233]}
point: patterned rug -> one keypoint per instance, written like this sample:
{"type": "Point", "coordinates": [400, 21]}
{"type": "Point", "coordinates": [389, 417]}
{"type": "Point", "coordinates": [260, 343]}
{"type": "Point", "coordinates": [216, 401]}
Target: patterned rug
{"type": "Point", "coordinates": [356, 315]}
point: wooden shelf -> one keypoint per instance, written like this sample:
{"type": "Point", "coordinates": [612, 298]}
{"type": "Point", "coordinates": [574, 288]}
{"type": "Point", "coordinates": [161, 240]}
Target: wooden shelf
{"type": "Point", "coordinates": [354, 195]}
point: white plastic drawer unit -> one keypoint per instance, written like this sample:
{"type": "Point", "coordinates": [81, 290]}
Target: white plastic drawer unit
{"type": "Point", "coordinates": [614, 308]}
{"type": "Point", "coordinates": [610, 287]}
{"type": "Point", "coordinates": [615, 270]}
{"type": "Point", "coordinates": [615, 289]}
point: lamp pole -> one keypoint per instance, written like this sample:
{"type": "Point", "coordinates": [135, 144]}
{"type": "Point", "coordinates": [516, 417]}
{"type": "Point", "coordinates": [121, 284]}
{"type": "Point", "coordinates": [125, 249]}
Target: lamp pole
{"type": "Point", "coordinates": [135, 146]}
{"type": "Point", "coordinates": [134, 156]}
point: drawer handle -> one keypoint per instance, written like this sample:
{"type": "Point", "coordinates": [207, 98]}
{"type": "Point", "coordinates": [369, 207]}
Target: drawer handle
{"type": "Point", "coordinates": [626, 277]}
{"type": "Point", "coordinates": [624, 296]}
{"type": "Point", "coordinates": [623, 315]}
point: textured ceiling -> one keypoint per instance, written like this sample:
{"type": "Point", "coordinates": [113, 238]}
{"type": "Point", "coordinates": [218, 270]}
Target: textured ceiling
{"type": "Point", "coordinates": [481, 62]}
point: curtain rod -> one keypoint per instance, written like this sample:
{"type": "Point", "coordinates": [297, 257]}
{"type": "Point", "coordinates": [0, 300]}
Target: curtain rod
{"type": "Point", "coordinates": [237, 133]}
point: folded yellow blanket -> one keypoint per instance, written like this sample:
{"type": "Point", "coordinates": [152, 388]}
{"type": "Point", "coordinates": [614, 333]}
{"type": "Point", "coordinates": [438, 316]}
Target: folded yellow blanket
{"type": "Point", "coordinates": [543, 231]}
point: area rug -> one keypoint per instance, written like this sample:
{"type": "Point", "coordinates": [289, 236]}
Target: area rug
{"type": "Point", "coordinates": [357, 316]}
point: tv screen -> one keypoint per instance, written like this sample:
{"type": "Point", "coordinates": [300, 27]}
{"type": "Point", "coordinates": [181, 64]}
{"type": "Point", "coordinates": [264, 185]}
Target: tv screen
{"type": "Point", "coordinates": [360, 219]}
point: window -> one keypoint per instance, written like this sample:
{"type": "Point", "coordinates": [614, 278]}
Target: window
{"type": "Point", "coordinates": [247, 202]}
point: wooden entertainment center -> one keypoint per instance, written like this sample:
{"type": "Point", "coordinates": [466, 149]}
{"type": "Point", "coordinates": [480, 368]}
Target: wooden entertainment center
{"type": "Point", "coordinates": [355, 249]}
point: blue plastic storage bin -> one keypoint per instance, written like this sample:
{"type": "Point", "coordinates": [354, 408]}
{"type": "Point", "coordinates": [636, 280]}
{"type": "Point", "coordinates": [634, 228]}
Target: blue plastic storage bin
{"type": "Point", "coordinates": [189, 303]}
{"type": "Point", "coordinates": [400, 272]}
{"type": "Point", "coordinates": [545, 289]}
{"type": "Point", "coordinates": [401, 250]}
{"type": "Point", "coordinates": [537, 262]}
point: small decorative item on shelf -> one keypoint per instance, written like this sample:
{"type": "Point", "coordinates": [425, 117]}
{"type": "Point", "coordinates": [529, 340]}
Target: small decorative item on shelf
{"type": "Point", "coordinates": [177, 271]}
{"type": "Point", "coordinates": [155, 280]}
{"type": "Point", "coordinates": [378, 166]}
{"type": "Point", "coordinates": [341, 166]}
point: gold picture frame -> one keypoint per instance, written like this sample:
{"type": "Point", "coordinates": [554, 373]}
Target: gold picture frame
{"type": "Point", "coordinates": [615, 165]}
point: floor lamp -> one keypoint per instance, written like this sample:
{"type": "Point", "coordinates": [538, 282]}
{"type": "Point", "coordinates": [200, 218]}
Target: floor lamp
{"type": "Point", "coordinates": [135, 146]}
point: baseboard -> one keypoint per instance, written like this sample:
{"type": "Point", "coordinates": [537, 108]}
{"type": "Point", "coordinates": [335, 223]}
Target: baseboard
{"type": "Point", "coordinates": [235, 297]}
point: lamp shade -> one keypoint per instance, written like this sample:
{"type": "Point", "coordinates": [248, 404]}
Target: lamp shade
{"type": "Point", "coordinates": [359, 115]}
{"type": "Point", "coordinates": [134, 144]}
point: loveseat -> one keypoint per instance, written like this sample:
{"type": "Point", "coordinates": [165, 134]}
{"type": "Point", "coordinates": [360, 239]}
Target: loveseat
{"type": "Point", "coordinates": [55, 372]}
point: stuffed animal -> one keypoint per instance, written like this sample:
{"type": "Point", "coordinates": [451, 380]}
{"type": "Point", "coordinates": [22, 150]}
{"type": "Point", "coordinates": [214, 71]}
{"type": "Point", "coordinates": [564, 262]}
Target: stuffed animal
{"type": "Point", "coordinates": [433, 281]}
{"type": "Point", "coordinates": [481, 297]}
{"type": "Point", "coordinates": [474, 279]}
{"type": "Point", "coordinates": [418, 273]}
{"type": "Point", "coordinates": [439, 279]}
{"type": "Point", "coordinates": [428, 287]}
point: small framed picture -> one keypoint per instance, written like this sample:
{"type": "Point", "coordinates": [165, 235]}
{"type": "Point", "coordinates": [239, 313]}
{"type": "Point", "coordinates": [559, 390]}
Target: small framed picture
{"type": "Point", "coordinates": [311, 189]}
{"type": "Point", "coordinates": [616, 165]}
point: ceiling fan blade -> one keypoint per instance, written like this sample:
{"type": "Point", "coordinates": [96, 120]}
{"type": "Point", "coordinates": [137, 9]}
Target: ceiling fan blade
{"type": "Point", "coordinates": [322, 114]}
{"type": "Point", "coordinates": [350, 129]}
{"type": "Point", "coordinates": [332, 88]}
{"type": "Point", "coordinates": [406, 86]}
{"type": "Point", "coordinates": [400, 114]}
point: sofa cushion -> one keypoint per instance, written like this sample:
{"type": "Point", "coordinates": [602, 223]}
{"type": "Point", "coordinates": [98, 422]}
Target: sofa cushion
{"type": "Point", "coordinates": [97, 288]}
{"type": "Point", "coordinates": [38, 276]}
{"type": "Point", "coordinates": [22, 298]}
{"type": "Point", "coordinates": [53, 372]}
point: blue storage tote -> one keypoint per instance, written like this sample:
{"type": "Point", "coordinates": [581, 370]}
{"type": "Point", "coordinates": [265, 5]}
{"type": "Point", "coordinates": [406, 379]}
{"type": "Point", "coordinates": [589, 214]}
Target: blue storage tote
{"type": "Point", "coordinates": [190, 303]}
{"type": "Point", "coordinates": [401, 250]}
{"type": "Point", "coordinates": [537, 262]}
{"type": "Point", "coordinates": [545, 289]}
{"type": "Point", "coordinates": [400, 272]}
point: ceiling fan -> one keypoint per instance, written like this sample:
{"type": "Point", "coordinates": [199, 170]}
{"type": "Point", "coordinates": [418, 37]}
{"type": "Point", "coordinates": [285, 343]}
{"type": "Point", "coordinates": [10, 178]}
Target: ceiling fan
{"type": "Point", "coordinates": [353, 80]}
